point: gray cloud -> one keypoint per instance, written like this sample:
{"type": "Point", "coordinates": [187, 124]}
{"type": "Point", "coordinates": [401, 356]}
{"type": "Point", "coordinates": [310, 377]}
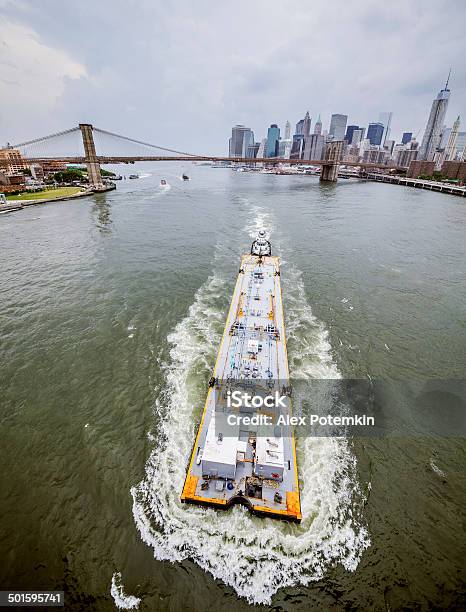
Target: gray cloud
{"type": "Point", "coordinates": [181, 73]}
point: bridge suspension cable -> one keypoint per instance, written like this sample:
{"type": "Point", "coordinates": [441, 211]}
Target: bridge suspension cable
{"type": "Point", "coordinates": [49, 136]}
{"type": "Point", "coordinates": [145, 144]}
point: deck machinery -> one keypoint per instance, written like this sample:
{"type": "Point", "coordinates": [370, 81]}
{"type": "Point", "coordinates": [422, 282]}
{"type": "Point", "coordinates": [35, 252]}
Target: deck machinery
{"type": "Point", "coordinates": [237, 458]}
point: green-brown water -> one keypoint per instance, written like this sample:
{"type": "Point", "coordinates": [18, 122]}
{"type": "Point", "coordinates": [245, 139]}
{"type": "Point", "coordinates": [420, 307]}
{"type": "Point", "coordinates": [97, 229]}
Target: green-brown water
{"type": "Point", "coordinates": [112, 308]}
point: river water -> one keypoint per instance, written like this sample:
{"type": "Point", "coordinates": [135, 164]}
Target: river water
{"type": "Point", "coordinates": [112, 309]}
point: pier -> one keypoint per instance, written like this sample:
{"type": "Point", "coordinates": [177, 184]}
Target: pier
{"type": "Point", "coordinates": [418, 183]}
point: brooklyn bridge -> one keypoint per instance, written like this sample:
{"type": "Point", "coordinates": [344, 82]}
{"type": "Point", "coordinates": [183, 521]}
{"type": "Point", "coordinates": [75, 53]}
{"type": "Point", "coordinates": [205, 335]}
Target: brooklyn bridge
{"type": "Point", "coordinates": [92, 146]}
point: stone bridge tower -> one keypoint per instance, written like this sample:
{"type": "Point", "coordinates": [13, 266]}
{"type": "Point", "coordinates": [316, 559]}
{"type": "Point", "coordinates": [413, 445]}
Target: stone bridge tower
{"type": "Point", "coordinates": [93, 166]}
{"type": "Point", "coordinates": [333, 153]}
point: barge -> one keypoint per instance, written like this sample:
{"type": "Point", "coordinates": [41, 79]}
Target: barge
{"type": "Point", "coordinates": [244, 451]}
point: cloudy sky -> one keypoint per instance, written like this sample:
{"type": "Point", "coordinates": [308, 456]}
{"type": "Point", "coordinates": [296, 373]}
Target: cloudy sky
{"type": "Point", "coordinates": [181, 73]}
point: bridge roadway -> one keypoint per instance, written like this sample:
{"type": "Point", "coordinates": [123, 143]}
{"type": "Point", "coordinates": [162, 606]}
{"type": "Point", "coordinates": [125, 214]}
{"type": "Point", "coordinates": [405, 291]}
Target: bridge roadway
{"type": "Point", "coordinates": [191, 158]}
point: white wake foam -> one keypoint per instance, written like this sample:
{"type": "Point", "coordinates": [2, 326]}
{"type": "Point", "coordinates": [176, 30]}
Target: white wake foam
{"type": "Point", "coordinates": [255, 556]}
{"type": "Point", "coordinates": [122, 601]}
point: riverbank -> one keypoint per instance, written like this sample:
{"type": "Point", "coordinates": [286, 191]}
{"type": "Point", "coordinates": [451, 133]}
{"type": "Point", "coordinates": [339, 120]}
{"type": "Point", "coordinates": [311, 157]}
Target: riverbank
{"type": "Point", "coordinates": [16, 203]}
{"type": "Point", "coordinates": [419, 184]}
{"type": "Point", "coordinates": [45, 194]}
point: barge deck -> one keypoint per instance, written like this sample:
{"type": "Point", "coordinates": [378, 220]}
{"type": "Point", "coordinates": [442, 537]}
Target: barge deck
{"type": "Point", "coordinates": [240, 454]}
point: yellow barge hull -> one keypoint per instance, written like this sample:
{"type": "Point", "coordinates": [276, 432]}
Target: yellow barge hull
{"type": "Point", "coordinates": [247, 464]}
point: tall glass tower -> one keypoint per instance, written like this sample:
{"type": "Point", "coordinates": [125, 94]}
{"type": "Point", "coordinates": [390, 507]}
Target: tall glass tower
{"type": "Point", "coordinates": [375, 133]}
{"type": "Point", "coordinates": [434, 125]}
{"type": "Point", "coordinates": [338, 126]}
{"type": "Point", "coordinates": [273, 136]}
{"type": "Point", "coordinates": [241, 139]}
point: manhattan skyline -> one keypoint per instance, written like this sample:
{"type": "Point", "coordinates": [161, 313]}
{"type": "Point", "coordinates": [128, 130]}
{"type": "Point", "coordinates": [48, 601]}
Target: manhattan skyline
{"type": "Point", "coordinates": [179, 77]}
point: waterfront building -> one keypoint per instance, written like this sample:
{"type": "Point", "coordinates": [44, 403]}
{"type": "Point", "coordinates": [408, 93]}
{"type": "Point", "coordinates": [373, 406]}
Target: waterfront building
{"type": "Point", "coordinates": [407, 137]}
{"type": "Point", "coordinates": [299, 127]}
{"type": "Point", "coordinates": [318, 126]}
{"type": "Point", "coordinates": [420, 167]}
{"type": "Point", "coordinates": [306, 124]}
{"type": "Point", "coordinates": [386, 120]}
{"type": "Point", "coordinates": [287, 130]}
{"type": "Point", "coordinates": [338, 126]}
{"type": "Point", "coordinates": [241, 139]}
{"type": "Point", "coordinates": [314, 147]}
{"type": "Point", "coordinates": [375, 133]}
{"type": "Point", "coordinates": [349, 133]}
{"type": "Point", "coordinates": [431, 138]}
{"type": "Point", "coordinates": [11, 161]}
{"type": "Point", "coordinates": [455, 170]}
{"type": "Point", "coordinates": [52, 165]}
{"type": "Point", "coordinates": [37, 172]}
{"type": "Point", "coordinates": [273, 136]}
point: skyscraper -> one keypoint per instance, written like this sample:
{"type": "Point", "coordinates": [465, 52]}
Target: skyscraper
{"type": "Point", "coordinates": [386, 120]}
{"type": "Point", "coordinates": [358, 135]}
{"type": "Point", "coordinates": [388, 146]}
{"type": "Point", "coordinates": [318, 126]}
{"type": "Point", "coordinates": [349, 133]}
{"type": "Point", "coordinates": [450, 150]}
{"type": "Point", "coordinates": [313, 147]}
{"type": "Point", "coordinates": [444, 136]}
{"type": "Point", "coordinates": [262, 149]}
{"type": "Point", "coordinates": [434, 125]}
{"type": "Point", "coordinates": [297, 146]}
{"type": "Point", "coordinates": [299, 127]}
{"type": "Point", "coordinates": [241, 139]}
{"type": "Point", "coordinates": [253, 150]}
{"type": "Point", "coordinates": [307, 124]}
{"type": "Point", "coordinates": [407, 137]}
{"type": "Point", "coordinates": [375, 133]}
{"type": "Point", "coordinates": [338, 126]}
{"type": "Point", "coordinates": [461, 146]}
{"type": "Point", "coordinates": [284, 148]}
{"type": "Point", "coordinates": [273, 136]}
{"type": "Point", "coordinates": [287, 130]}
{"type": "Point", "coordinates": [462, 154]}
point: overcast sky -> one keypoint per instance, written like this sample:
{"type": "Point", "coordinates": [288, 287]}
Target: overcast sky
{"type": "Point", "coordinates": [180, 74]}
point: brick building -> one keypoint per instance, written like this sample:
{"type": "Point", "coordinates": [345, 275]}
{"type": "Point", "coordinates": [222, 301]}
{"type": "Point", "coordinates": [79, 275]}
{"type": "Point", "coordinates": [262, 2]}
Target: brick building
{"type": "Point", "coordinates": [454, 170]}
{"type": "Point", "coordinates": [416, 168]}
